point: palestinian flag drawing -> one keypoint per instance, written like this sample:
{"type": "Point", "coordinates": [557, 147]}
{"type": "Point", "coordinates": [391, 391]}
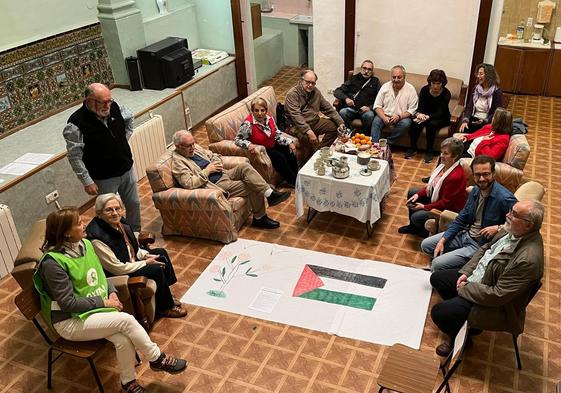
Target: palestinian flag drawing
{"type": "Point", "coordinates": [309, 286]}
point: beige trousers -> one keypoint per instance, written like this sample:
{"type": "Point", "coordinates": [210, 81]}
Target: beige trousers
{"type": "Point", "coordinates": [244, 181]}
{"type": "Point", "coordinates": [118, 327]}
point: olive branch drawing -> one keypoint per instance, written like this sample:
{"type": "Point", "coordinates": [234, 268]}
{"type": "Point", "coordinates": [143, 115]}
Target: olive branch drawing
{"type": "Point", "coordinates": [230, 271]}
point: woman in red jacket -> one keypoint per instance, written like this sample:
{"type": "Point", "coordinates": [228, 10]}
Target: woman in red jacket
{"type": "Point", "coordinates": [446, 189]}
{"type": "Point", "coordinates": [259, 128]}
{"type": "Point", "coordinates": [491, 140]}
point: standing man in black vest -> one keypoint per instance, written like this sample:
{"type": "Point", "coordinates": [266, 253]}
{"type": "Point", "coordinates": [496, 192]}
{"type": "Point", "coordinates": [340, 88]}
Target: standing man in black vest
{"type": "Point", "coordinates": [98, 150]}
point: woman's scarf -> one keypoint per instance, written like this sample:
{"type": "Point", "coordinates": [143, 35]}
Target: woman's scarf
{"type": "Point", "coordinates": [478, 92]}
{"type": "Point", "coordinates": [433, 190]}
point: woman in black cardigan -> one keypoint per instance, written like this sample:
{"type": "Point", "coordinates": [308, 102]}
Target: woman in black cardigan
{"type": "Point", "coordinates": [118, 250]}
{"type": "Point", "coordinates": [432, 114]}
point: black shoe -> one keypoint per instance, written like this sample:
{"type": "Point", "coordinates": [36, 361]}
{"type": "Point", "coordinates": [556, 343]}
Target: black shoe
{"type": "Point", "coordinates": [410, 153]}
{"type": "Point", "coordinates": [425, 179]}
{"type": "Point", "coordinates": [428, 157]}
{"type": "Point", "coordinates": [277, 197]}
{"type": "Point", "coordinates": [443, 350]}
{"type": "Point", "coordinates": [168, 364]}
{"type": "Point", "coordinates": [265, 222]}
{"type": "Point", "coordinates": [409, 229]}
{"type": "Point", "coordinates": [133, 387]}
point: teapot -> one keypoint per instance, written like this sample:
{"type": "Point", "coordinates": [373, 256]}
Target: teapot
{"type": "Point", "coordinates": [340, 168]}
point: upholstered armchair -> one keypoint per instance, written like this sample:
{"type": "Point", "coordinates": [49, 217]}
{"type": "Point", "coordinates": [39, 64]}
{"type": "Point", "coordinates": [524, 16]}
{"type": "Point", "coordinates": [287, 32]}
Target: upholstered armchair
{"type": "Point", "coordinates": [441, 219]}
{"type": "Point", "coordinates": [223, 128]}
{"type": "Point", "coordinates": [134, 292]}
{"type": "Point", "coordinates": [202, 213]}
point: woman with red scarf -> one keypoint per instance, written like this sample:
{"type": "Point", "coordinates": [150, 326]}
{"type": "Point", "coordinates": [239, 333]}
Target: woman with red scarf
{"type": "Point", "coordinates": [259, 128]}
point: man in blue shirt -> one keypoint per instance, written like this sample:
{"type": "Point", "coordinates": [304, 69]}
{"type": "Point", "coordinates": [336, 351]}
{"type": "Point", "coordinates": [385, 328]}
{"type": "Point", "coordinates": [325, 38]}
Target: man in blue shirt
{"type": "Point", "coordinates": [482, 217]}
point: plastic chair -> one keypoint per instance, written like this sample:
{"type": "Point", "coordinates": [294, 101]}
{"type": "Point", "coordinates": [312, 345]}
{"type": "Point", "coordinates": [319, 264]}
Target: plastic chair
{"type": "Point", "coordinates": [407, 370]}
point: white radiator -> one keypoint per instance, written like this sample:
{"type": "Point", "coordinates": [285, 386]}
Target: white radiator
{"type": "Point", "coordinates": [9, 241]}
{"type": "Point", "coordinates": [148, 142]}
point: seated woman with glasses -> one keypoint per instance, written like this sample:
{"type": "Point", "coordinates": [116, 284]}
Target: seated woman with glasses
{"type": "Point", "coordinates": [80, 303]}
{"type": "Point", "coordinates": [119, 252]}
{"type": "Point", "coordinates": [259, 128]}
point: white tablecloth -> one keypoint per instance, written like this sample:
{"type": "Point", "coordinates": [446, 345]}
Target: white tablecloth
{"type": "Point", "coordinates": [356, 196]}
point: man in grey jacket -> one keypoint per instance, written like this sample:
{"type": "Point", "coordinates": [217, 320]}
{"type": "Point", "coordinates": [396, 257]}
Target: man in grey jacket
{"type": "Point", "coordinates": [303, 104]}
{"type": "Point", "coordinates": [492, 290]}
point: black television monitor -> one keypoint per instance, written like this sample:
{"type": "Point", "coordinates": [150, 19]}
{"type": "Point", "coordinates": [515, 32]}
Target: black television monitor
{"type": "Point", "coordinates": [151, 63]}
{"type": "Point", "coordinates": [177, 67]}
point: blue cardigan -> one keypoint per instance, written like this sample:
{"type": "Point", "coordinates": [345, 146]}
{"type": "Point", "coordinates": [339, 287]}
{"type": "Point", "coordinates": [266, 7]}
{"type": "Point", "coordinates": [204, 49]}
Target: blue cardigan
{"type": "Point", "coordinates": [497, 205]}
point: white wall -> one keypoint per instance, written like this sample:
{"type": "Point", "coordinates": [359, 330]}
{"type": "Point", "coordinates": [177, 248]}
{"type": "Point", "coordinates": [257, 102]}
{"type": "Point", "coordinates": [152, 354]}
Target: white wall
{"type": "Point", "coordinates": [329, 43]}
{"type": "Point", "coordinates": [215, 24]}
{"type": "Point", "coordinates": [25, 21]}
{"type": "Point", "coordinates": [424, 34]}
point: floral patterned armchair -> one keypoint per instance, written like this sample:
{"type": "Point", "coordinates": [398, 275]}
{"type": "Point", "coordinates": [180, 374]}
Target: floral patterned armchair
{"type": "Point", "coordinates": [202, 213]}
{"type": "Point", "coordinates": [223, 127]}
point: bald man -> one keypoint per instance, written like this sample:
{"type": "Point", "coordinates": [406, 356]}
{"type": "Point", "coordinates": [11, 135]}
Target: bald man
{"type": "Point", "coordinates": [303, 105]}
{"type": "Point", "coordinates": [97, 137]}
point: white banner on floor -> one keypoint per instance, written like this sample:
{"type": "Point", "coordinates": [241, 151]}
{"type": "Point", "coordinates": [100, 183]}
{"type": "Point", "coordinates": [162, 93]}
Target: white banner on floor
{"type": "Point", "coordinates": [372, 301]}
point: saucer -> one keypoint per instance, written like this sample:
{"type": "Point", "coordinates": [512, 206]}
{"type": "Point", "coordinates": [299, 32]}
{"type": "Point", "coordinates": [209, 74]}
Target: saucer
{"type": "Point", "coordinates": [365, 172]}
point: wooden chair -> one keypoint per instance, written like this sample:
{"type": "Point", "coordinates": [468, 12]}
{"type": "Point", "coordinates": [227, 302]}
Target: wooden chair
{"type": "Point", "coordinates": [29, 304]}
{"type": "Point", "coordinates": [407, 370]}
{"type": "Point", "coordinates": [531, 295]}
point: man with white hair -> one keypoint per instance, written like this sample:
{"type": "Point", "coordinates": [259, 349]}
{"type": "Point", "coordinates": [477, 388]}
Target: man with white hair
{"type": "Point", "coordinates": [395, 105]}
{"type": "Point", "coordinates": [97, 137]}
{"type": "Point", "coordinates": [195, 167]}
{"type": "Point", "coordinates": [492, 290]}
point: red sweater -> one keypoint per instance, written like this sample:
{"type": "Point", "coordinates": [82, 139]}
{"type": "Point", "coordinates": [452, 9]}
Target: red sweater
{"type": "Point", "coordinates": [258, 137]}
{"type": "Point", "coordinates": [452, 194]}
{"type": "Point", "coordinates": [494, 147]}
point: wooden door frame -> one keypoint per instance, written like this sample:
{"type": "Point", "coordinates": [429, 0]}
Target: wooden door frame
{"type": "Point", "coordinates": [478, 54]}
{"type": "Point", "coordinates": [350, 26]}
{"type": "Point", "coordinates": [241, 80]}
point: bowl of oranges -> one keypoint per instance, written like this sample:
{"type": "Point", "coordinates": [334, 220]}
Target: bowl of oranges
{"type": "Point", "coordinates": [361, 141]}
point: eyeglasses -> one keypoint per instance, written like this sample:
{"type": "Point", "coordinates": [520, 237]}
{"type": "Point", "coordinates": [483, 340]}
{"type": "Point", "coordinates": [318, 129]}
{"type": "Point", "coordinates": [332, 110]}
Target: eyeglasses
{"type": "Point", "coordinates": [311, 83]}
{"type": "Point", "coordinates": [516, 215]}
{"type": "Point", "coordinates": [104, 103]}
{"type": "Point", "coordinates": [483, 174]}
{"type": "Point", "coordinates": [186, 145]}
{"type": "Point", "coordinates": [109, 210]}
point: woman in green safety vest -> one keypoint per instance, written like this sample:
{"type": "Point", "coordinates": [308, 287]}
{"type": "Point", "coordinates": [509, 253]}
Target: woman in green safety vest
{"type": "Point", "coordinates": [81, 304]}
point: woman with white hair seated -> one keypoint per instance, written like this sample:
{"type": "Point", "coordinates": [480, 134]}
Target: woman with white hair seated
{"type": "Point", "coordinates": [119, 252]}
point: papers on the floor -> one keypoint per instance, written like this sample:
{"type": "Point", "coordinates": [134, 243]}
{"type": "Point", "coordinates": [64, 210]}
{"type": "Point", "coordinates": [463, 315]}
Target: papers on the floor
{"type": "Point", "coordinates": [266, 300]}
{"type": "Point", "coordinates": [34, 158]}
{"type": "Point", "coordinates": [21, 165]}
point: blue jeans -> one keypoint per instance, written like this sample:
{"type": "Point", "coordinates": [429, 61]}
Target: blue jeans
{"type": "Point", "coordinates": [349, 114]}
{"type": "Point", "coordinates": [400, 128]}
{"type": "Point", "coordinates": [457, 251]}
{"type": "Point", "coordinates": [125, 185]}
